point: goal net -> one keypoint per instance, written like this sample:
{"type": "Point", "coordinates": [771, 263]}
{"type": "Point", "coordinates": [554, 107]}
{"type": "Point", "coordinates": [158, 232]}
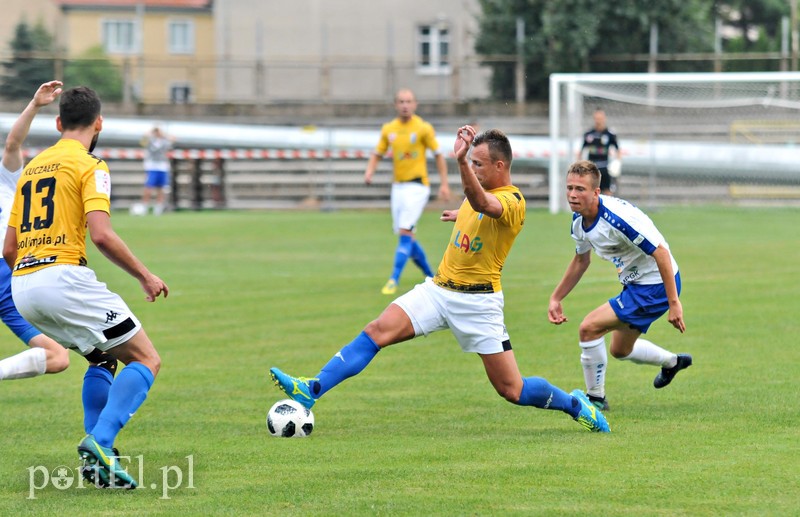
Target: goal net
{"type": "Point", "coordinates": [711, 137]}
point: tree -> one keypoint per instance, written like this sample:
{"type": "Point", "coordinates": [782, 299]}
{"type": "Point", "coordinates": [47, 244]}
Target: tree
{"type": "Point", "coordinates": [31, 61]}
{"type": "Point", "coordinates": [564, 36]}
{"type": "Point", "coordinates": [94, 69]}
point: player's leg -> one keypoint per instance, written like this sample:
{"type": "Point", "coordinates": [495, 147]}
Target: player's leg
{"type": "Point", "coordinates": [405, 244]}
{"type": "Point", "coordinates": [161, 182]}
{"type": "Point", "coordinates": [392, 326]}
{"type": "Point", "coordinates": [96, 385]}
{"type": "Point", "coordinates": [415, 205]}
{"type": "Point", "coordinates": [420, 259]}
{"type": "Point", "coordinates": [605, 181]}
{"type": "Point", "coordinates": [410, 315]}
{"type": "Point", "coordinates": [129, 390]}
{"type": "Point", "coordinates": [503, 373]}
{"type": "Point", "coordinates": [627, 343]}
{"type": "Point", "coordinates": [594, 358]}
{"type": "Point", "coordinates": [44, 356]}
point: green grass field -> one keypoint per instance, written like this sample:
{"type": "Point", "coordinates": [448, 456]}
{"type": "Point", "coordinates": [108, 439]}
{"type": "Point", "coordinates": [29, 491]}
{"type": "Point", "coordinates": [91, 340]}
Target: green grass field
{"type": "Point", "coordinates": [421, 431]}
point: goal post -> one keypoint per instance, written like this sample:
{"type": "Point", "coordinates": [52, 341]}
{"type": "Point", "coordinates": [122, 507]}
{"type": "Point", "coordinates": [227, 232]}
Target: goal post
{"type": "Point", "coordinates": [687, 127]}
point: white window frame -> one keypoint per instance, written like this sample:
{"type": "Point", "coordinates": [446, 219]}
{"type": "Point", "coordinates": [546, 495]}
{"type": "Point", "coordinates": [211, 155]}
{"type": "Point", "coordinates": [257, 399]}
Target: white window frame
{"type": "Point", "coordinates": [186, 47]}
{"type": "Point", "coordinates": [438, 61]}
{"type": "Point", "coordinates": [110, 34]}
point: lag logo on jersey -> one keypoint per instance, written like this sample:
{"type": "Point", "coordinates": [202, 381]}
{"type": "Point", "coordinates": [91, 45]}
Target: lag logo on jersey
{"type": "Point", "coordinates": [466, 243]}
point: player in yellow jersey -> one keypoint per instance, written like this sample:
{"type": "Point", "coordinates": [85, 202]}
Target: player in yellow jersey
{"type": "Point", "coordinates": [44, 354]}
{"type": "Point", "coordinates": [62, 192]}
{"type": "Point", "coordinates": [465, 295]}
{"type": "Point", "coordinates": [409, 138]}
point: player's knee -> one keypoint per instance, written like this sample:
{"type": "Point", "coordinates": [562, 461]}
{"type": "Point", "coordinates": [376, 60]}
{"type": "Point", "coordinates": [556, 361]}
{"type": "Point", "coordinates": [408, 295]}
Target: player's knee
{"type": "Point", "coordinates": [509, 392]}
{"type": "Point", "coordinates": [618, 352]}
{"type": "Point", "coordinates": [57, 360]}
{"type": "Point", "coordinates": [589, 331]}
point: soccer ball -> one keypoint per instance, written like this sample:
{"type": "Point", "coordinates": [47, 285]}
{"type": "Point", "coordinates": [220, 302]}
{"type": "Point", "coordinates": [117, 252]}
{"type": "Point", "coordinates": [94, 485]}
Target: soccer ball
{"type": "Point", "coordinates": [138, 209]}
{"type": "Point", "coordinates": [290, 419]}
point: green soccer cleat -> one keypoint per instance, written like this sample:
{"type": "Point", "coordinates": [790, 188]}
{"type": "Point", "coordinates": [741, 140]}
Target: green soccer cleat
{"type": "Point", "coordinates": [101, 465]}
{"type": "Point", "coordinates": [295, 387]}
{"type": "Point", "coordinates": [94, 474]}
{"type": "Point", "coordinates": [590, 417]}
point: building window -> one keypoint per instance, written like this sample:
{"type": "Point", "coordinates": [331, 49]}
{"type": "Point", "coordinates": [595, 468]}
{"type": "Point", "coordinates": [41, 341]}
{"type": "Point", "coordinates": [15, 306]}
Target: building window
{"type": "Point", "coordinates": [181, 37]}
{"type": "Point", "coordinates": [180, 93]}
{"type": "Point", "coordinates": [433, 49]}
{"type": "Point", "coordinates": [119, 36]}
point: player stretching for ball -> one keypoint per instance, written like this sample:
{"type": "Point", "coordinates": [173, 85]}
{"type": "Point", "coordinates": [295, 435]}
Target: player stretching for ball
{"type": "Point", "coordinates": [62, 192]}
{"type": "Point", "coordinates": [465, 294]}
{"type": "Point", "coordinates": [409, 137]}
{"type": "Point", "coordinates": [622, 234]}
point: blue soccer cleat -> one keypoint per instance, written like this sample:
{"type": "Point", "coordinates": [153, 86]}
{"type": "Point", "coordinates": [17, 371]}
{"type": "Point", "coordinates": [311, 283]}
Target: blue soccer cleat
{"type": "Point", "coordinates": [101, 465]}
{"type": "Point", "coordinates": [295, 387]}
{"type": "Point", "coordinates": [590, 417]}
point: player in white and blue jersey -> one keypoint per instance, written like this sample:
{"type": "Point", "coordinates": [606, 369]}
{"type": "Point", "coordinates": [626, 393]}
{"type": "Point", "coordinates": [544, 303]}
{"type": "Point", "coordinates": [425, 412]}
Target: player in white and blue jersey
{"type": "Point", "coordinates": [651, 283]}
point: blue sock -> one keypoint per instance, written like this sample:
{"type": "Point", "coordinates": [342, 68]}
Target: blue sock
{"type": "Point", "coordinates": [347, 362]}
{"type": "Point", "coordinates": [419, 258]}
{"type": "Point", "coordinates": [537, 392]}
{"type": "Point", "coordinates": [401, 254]}
{"type": "Point", "coordinates": [96, 383]}
{"type": "Point", "coordinates": [127, 393]}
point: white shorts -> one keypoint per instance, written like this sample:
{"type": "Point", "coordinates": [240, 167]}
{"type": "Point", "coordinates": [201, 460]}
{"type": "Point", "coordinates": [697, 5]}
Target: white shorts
{"type": "Point", "coordinates": [408, 202]}
{"type": "Point", "coordinates": [69, 304]}
{"type": "Point", "coordinates": [476, 319]}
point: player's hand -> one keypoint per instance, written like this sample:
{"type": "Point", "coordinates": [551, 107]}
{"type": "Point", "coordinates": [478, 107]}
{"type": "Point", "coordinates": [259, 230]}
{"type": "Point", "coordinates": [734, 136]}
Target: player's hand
{"type": "Point", "coordinates": [464, 138]}
{"type": "Point", "coordinates": [444, 193]}
{"type": "Point", "coordinates": [47, 93]}
{"type": "Point", "coordinates": [675, 316]}
{"type": "Point", "coordinates": [555, 313]}
{"type": "Point", "coordinates": [368, 177]}
{"type": "Point", "coordinates": [153, 286]}
{"type": "Point", "coordinates": [449, 215]}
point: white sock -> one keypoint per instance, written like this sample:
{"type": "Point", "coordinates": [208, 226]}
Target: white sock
{"type": "Point", "coordinates": [645, 352]}
{"type": "Point", "coordinates": [594, 360]}
{"type": "Point", "coordinates": [30, 363]}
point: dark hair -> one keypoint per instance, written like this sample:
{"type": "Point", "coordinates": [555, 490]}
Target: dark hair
{"type": "Point", "coordinates": [498, 144]}
{"type": "Point", "coordinates": [78, 108]}
{"type": "Point", "coordinates": [586, 168]}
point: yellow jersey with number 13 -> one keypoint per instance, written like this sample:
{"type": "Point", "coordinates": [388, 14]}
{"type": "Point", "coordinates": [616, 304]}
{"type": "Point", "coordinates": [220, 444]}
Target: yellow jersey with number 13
{"type": "Point", "coordinates": [55, 192]}
{"type": "Point", "coordinates": [479, 245]}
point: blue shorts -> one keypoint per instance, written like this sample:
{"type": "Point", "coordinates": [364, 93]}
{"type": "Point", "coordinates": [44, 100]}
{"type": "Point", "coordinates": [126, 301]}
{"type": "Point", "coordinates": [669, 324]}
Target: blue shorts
{"type": "Point", "coordinates": [641, 305]}
{"type": "Point", "coordinates": [157, 179]}
{"type": "Point", "coordinates": [8, 311]}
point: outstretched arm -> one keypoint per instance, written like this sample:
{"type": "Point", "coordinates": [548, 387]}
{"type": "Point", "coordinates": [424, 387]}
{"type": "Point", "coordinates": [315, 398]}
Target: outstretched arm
{"type": "Point", "coordinates": [115, 249]}
{"type": "Point", "coordinates": [577, 267]}
{"type": "Point", "coordinates": [12, 155]}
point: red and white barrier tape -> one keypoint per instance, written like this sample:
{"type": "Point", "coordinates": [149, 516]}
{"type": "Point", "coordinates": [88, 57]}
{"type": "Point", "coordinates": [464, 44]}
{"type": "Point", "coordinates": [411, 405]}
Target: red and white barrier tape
{"type": "Point", "coordinates": [253, 154]}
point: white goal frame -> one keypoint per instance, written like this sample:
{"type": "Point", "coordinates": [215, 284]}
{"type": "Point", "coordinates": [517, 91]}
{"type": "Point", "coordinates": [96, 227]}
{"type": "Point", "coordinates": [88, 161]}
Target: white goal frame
{"type": "Point", "coordinates": [566, 109]}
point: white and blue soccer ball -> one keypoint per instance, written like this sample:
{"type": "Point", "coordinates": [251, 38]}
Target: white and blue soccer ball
{"type": "Point", "coordinates": [290, 419]}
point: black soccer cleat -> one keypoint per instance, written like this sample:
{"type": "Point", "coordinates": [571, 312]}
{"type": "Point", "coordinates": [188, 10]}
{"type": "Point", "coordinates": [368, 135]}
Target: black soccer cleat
{"type": "Point", "coordinates": [667, 374]}
{"type": "Point", "coordinates": [599, 402]}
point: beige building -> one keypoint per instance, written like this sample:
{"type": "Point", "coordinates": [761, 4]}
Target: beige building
{"type": "Point", "coordinates": [271, 52]}
{"type": "Point", "coordinates": [165, 48]}
{"type": "Point", "coordinates": [347, 50]}
{"type": "Point", "coordinates": [30, 11]}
